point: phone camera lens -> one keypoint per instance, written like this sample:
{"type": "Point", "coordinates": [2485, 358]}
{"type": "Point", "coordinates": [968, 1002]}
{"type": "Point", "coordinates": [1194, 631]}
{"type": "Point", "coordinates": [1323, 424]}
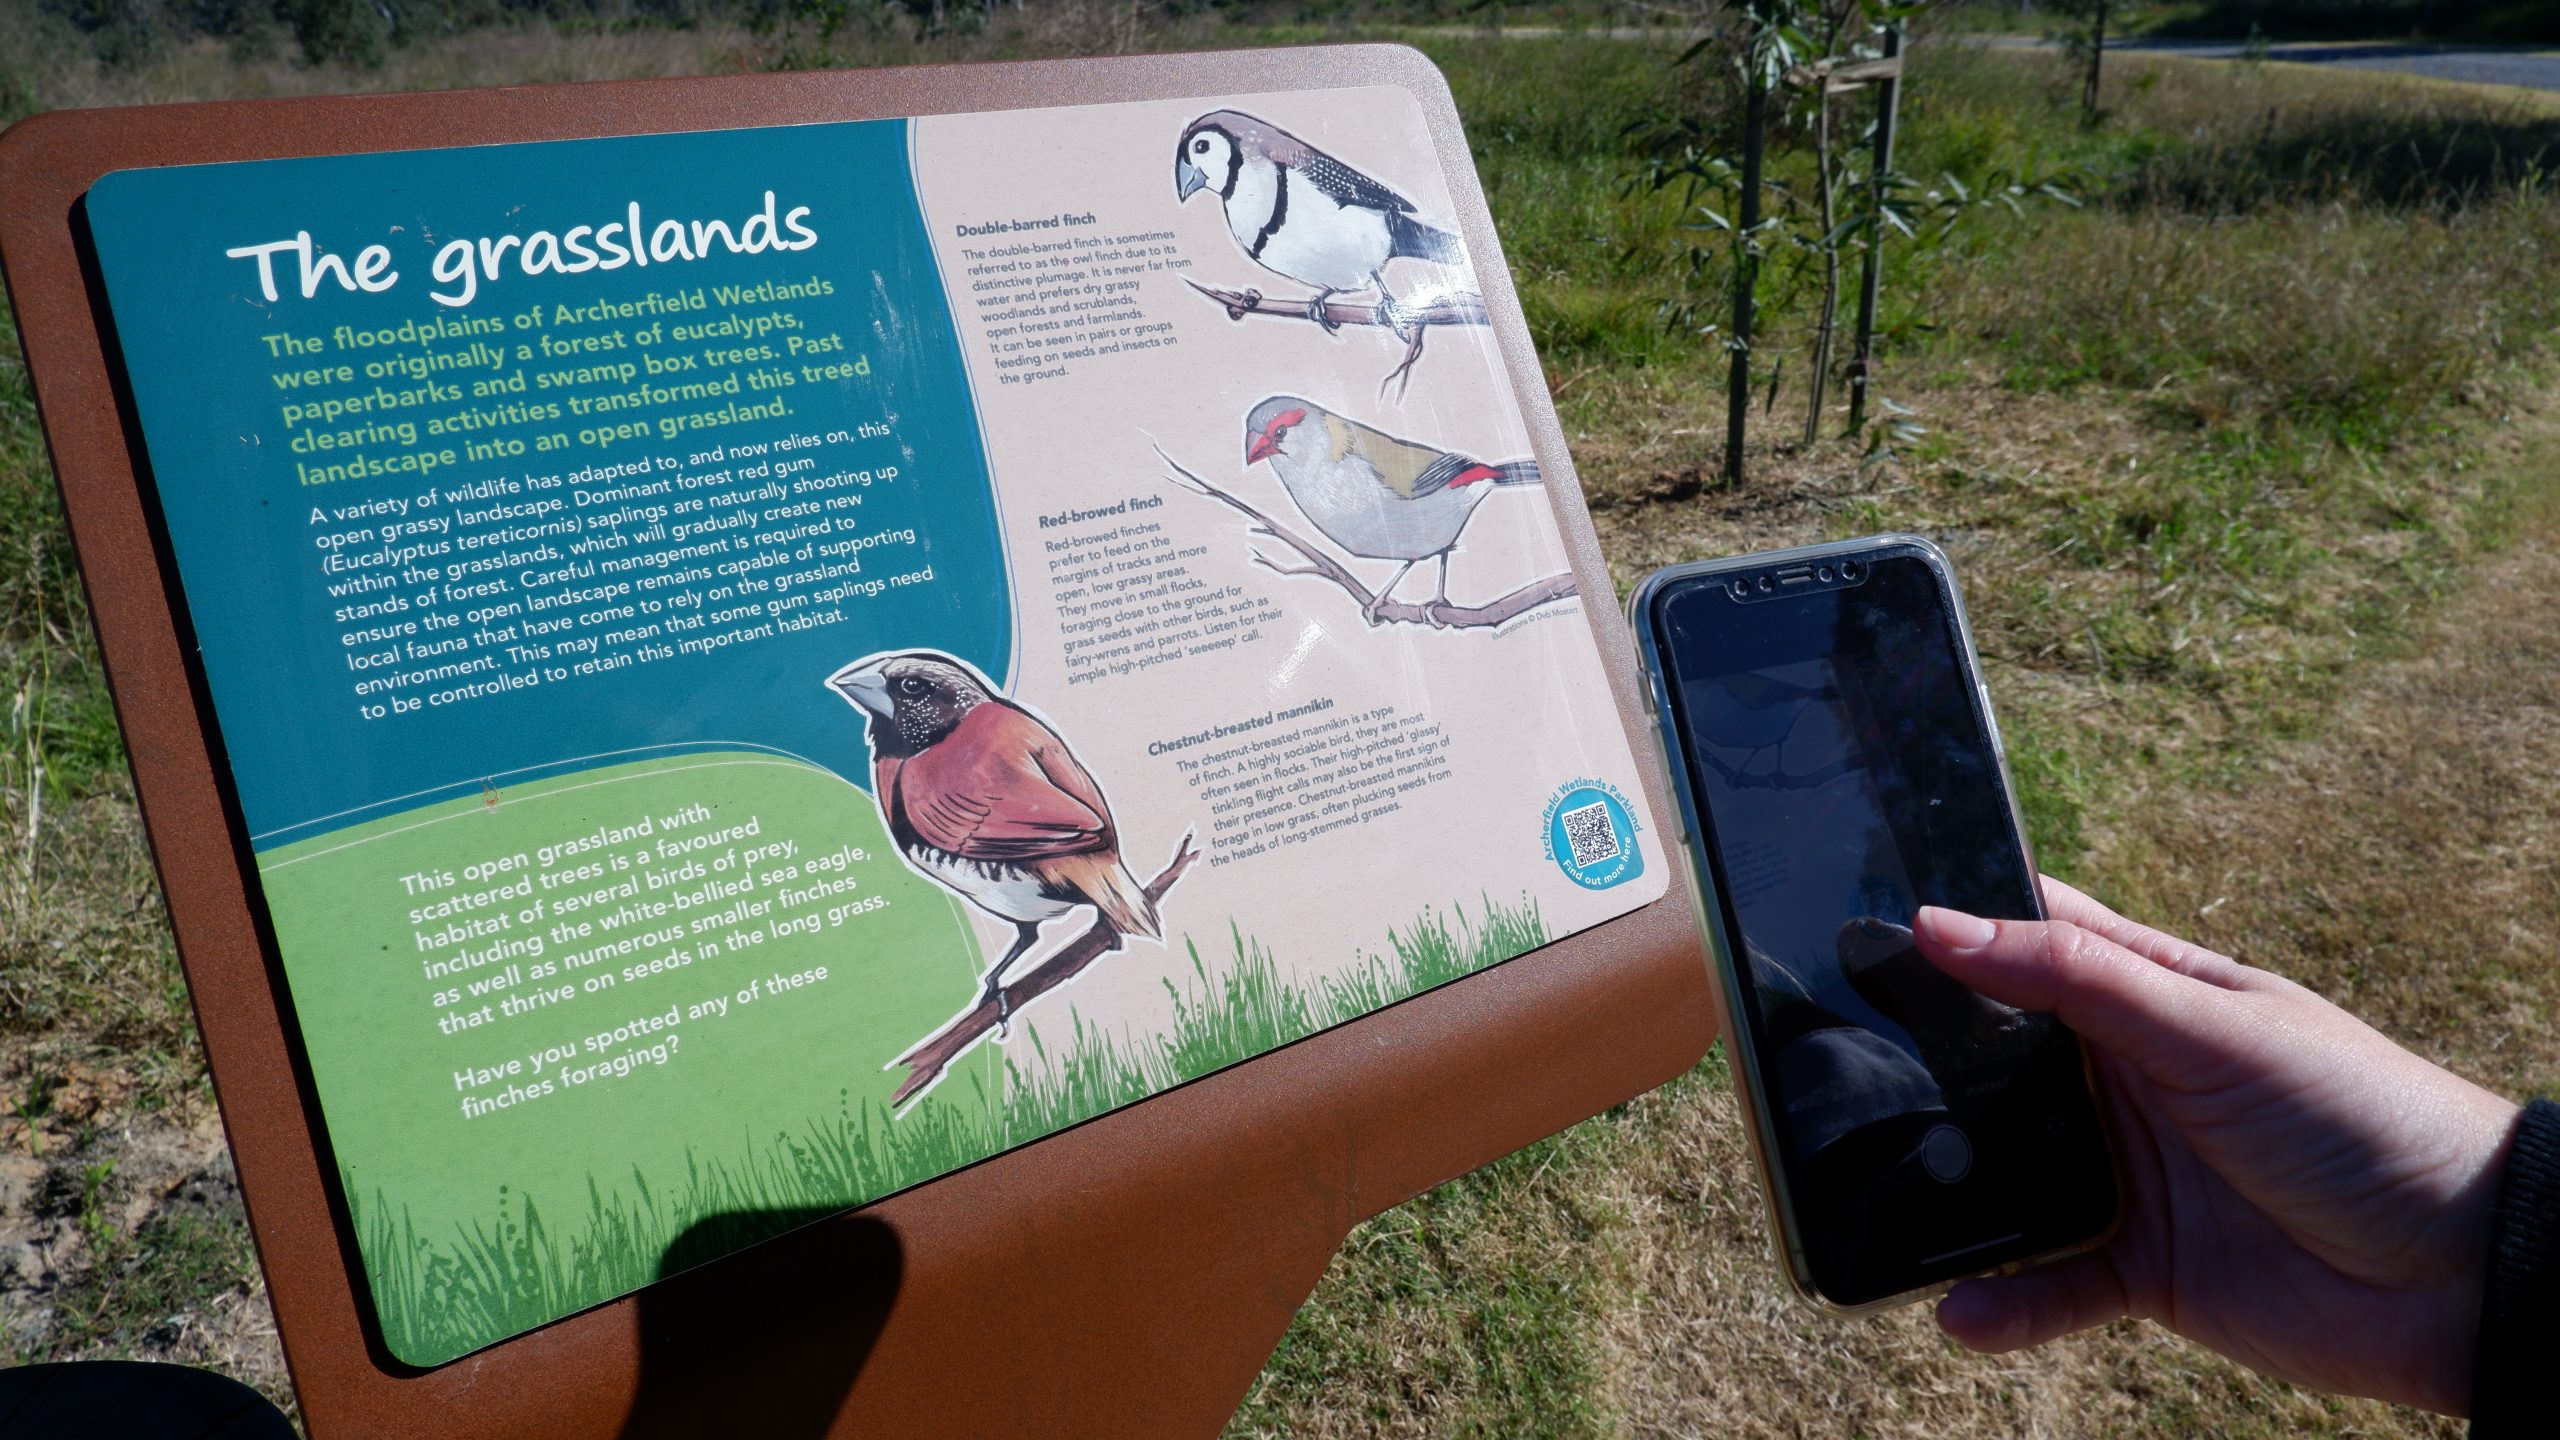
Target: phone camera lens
{"type": "Point", "coordinates": [1765, 585]}
{"type": "Point", "coordinates": [1823, 574]}
{"type": "Point", "coordinates": [1848, 569]}
{"type": "Point", "coordinates": [1740, 589]}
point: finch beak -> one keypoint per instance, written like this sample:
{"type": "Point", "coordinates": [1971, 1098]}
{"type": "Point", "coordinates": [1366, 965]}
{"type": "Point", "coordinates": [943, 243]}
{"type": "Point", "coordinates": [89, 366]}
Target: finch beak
{"type": "Point", "coordinates": [1187, 180]}
{"type": "Point", "coordinates": [1260, 447]}
{"type": "Point", "coordinates": [865, 684]}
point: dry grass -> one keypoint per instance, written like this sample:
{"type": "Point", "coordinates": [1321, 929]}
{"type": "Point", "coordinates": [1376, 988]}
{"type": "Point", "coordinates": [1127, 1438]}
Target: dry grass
{"type": "Point", "coordinates": [50, 64]}
{"type": "Point", "coordinates": [2408, 863]}
{"type": "Point", "coordinates": [2401, 852]}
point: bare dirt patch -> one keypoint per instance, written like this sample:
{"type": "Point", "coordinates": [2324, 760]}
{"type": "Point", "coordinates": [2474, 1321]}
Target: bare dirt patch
{"type": "Point", "coordinates": [122, 1237]}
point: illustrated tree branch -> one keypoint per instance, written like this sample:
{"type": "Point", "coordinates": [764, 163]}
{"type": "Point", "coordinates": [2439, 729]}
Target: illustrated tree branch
{"type": "Point", "coordinates": [1528, 597]}
{"type": "Point", "coordinates": [1462, 308]}
{"type": "Point", "coordinates": [927, 1061]}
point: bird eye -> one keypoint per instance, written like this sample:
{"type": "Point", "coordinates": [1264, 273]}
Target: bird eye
{"type": "Point", "coordinates": [911, 685]}
{"type": "Point", "coordinates": [1200, 146]}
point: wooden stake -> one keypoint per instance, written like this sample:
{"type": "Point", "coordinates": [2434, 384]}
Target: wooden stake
{"type": "Point", "coordinates": [1746, 269]}
{"type": "Point", "coordinates": [1862, 365]}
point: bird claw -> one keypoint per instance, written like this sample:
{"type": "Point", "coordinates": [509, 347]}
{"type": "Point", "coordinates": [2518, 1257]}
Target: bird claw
{"type": "Point", "coordinates": [1397, 320]}
{"type": "Point", "coordinates": [1324, 320]}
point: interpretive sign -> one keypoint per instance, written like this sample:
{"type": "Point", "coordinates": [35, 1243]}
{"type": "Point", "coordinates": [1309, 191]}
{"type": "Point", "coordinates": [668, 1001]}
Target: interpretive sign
{"type": "Point", "coordinates": [704, 655]}
{"type": "Point", "coordinates": [762, 666]}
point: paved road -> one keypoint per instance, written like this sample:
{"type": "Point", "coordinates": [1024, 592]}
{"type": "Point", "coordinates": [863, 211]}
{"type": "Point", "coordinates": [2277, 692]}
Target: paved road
{"type": "Point", "coordinates": [2534, 69]}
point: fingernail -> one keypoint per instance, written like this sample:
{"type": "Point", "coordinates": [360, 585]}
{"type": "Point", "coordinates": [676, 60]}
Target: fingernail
{"type": "Point", "coordinates": [1954, 929]}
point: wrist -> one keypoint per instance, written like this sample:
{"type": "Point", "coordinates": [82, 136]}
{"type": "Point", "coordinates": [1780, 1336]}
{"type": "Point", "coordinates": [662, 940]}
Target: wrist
{"type": "Point", "coordinates": [2518, 1319]}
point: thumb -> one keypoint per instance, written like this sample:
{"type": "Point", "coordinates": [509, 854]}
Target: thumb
{"type": "Point", "coordinates": [2011, 1312]}
{"type": "Point", "coordinates": [2167, 1025]}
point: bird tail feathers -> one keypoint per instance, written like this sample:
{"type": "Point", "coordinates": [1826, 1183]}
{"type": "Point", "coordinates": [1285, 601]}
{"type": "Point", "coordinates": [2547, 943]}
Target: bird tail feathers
{"type": "Point", "coordinates": [1416, 241]}
{"type": "Point", "coordinates": [1518, 472]}
{"type": "Point", "coordinates": [1105, 881]}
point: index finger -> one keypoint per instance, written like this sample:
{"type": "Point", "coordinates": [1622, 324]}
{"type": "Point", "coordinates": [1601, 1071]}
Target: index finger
{"type": "Point", "coordinates": [2062, 902]}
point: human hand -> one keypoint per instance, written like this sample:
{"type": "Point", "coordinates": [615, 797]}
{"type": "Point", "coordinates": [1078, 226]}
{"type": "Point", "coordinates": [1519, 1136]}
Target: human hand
{"type": "Point", "coordinates": [2300, 1194]}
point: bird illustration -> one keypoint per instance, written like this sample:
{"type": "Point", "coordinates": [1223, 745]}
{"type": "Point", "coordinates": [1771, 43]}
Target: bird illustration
{"type": "Point", "coordinates": [1300, 213]}
{"type": "Point", "coordinates": [982, 797]}
{"type": "Point", "coordinates": [1374, 495]}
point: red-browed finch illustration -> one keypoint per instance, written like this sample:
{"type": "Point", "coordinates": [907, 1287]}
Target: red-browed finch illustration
{"type": "Point", "coordinates": [1376, 496]}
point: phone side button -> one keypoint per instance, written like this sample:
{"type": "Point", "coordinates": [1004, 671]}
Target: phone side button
{"type": "Point", "coordinates": [1992, 719]}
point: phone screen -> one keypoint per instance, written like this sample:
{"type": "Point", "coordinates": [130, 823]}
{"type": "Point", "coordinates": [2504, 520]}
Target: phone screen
{"type": "Point", "coordinates": [1844, 778]}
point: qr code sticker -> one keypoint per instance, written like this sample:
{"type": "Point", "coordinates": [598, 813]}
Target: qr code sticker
{"type": "Point", "coordinates": [1589, 832]}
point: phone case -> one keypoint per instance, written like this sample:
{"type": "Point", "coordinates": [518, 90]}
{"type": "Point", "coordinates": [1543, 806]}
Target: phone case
{"type": "Point", "coordinates": [1743, 1062]}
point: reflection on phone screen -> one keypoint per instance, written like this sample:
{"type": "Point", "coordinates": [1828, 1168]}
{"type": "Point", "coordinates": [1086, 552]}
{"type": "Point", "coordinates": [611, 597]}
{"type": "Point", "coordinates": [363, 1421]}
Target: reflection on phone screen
{"type": "Point", "coordinates": [1846, 781]}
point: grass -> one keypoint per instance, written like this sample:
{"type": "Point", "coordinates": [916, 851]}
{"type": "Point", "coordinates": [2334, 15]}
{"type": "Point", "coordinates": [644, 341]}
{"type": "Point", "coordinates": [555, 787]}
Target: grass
{"type": "Point", "coordinates": [439, 1296]}
{"type": "Point", "coordinates": [145, 1281]}
{"type": "Point", "coordinates": [2218, 451]}
{"type": "Point", "coordinates": [2208, 448]}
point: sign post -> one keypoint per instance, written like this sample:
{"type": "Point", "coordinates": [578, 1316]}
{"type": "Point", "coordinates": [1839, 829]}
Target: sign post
{"type": "Point", "coordinates": [835, 749]}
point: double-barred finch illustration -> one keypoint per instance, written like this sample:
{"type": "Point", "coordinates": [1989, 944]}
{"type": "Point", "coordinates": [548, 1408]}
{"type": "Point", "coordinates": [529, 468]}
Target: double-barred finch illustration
{"type": "Point", "coordinates": [985, 799]}
{"type": "Point", "coordinates": [1300, 213]}
{"type": "Point", "coordinates": [1374, 495]}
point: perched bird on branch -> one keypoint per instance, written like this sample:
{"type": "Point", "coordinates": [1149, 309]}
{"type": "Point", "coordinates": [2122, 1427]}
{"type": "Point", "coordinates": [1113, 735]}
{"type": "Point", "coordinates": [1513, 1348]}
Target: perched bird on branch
{"type": "Point", "coordinates": [1302, 214]}
{"type": "Point", "coordinates": [1374, 495]}
{"type": "Point", "coordinates": [984, 798]}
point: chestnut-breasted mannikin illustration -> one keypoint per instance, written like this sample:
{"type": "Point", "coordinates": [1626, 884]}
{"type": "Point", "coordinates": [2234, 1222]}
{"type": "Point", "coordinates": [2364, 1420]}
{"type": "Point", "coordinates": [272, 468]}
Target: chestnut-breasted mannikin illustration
{"type": "Point", "coordinates": [982, 797]}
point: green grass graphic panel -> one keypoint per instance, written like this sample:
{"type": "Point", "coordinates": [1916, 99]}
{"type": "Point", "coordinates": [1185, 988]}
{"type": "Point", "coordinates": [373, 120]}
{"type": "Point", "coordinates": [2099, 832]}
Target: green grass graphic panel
{"type": "Point", "coordinates": [530, 1013]}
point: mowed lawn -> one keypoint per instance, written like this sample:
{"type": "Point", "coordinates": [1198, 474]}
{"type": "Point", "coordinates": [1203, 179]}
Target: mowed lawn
{"type": "Point", "coordinates": [2221, 448]}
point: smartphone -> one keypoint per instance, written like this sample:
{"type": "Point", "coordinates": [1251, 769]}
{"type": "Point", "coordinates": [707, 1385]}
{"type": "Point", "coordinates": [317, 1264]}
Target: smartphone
{"type": "Point", "coordinates": [1824, 722]}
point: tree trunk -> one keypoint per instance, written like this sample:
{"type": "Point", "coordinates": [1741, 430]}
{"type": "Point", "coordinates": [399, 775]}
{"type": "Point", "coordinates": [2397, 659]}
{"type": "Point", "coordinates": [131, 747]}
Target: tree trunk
{"type": "Point", "coordinates": [2097, 58]}
{"type": "Point", "coordinates": [1862, 364]}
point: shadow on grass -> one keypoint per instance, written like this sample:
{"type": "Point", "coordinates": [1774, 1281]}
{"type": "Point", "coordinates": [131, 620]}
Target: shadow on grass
{"type": "Point", "coordinates": [2437, 160]}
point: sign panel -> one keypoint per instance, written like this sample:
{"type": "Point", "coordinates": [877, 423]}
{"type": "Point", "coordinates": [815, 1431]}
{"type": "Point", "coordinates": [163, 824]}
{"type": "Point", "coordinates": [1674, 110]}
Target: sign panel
{"type": "Point", "coordinates": [764, 666]}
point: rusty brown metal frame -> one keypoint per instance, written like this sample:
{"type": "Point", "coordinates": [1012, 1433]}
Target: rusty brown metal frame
{"type": "Point", "coordinates": [1124, 1278]}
